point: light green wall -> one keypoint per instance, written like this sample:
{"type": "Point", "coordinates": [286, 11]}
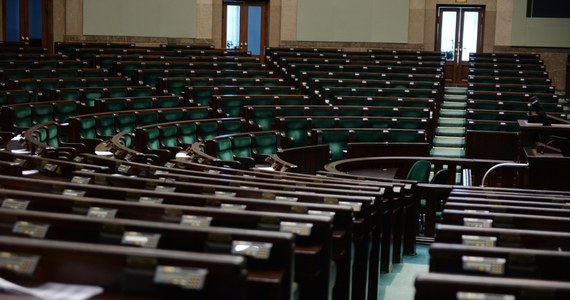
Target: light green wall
{"type": "Point", "coordinates": [353, 21]}
{"type": "Point", "coordinates": [148, 18]}
{"type": "Point", "coordinates": [538, 32]}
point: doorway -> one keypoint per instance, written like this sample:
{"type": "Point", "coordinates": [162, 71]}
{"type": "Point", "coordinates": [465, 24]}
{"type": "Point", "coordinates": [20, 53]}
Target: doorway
{"type": "Point", "coordinates": [459, 32]}
{"type": "Point", "coordinates": [244, 26]}
{"type": "Point", "coordinates": [26, 21]}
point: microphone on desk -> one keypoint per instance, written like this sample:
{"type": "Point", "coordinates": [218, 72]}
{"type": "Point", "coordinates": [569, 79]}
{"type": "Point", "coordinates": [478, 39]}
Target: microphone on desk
{"type": "Point", "coordinates": [535, 104]}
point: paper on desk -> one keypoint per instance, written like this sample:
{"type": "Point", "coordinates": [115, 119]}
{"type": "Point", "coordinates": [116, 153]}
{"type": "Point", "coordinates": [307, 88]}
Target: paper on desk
{"type": "Point", "coordinates": [52, 290]}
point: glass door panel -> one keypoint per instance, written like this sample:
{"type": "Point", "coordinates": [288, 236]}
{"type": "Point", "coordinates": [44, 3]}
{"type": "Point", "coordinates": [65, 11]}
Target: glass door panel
{"type": "Point", "coordinates": [448, 34]}
{"type": "Point", "coordinates": [13, 32]}
{"type": "Point", "coordinates": [232, 26]}
{"type": "Point", "coordinates": [254, 30]}
{"type": "Point", "coordinates": [470, 33]}
{"type": "Point", "coordinates": [35, 20]}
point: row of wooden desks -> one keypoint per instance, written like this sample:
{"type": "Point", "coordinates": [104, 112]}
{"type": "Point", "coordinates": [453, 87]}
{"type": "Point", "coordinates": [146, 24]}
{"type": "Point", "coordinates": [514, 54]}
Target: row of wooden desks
{"type": "Point", "coordinates": [316, 237]}
{"type": "Point", "coordinates": [498, 243]}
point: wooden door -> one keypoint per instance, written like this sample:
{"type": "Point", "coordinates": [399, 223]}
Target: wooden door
{"type": "Point", "coordinates": [459, 32]}
{"type": "Point", "coordinates": [26, 21]}
{"type": "Point", "coordinates": [245, 26]}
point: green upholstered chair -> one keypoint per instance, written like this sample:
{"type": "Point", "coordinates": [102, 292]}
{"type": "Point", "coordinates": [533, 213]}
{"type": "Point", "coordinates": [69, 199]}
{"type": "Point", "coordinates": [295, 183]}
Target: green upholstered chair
{"type": "Point", "coordinates": [201, 95]}
{"type": "Point", "coordinates": [87, 128]}
{"type": "Point", "coordinates": [396, 93]}
{"type": "Point", "coordinates": [242, 146]}
{"type": "Point", "coordinates": [106, 125]}
{"type": "Point", "coordinates": [266, 144]}
{"type": "Point", "coordinates": [355, 122]}
{"type": "Point", "coordinates": [323, 122]}
{"type": "Point", "coordinates": [51, 136]}
{"type": "Point", "coordinates": [404, 136]}
{"type": "Point", "coordinates": [380, 123]}
{"type": "Point", "coordinates": [350, 111]}
{"type": "Point", "coordinates": [22, 116]}
{"type": "Point", "coordinates": [17, 96]}
{"type": "Point", "coordinates": [63, 110]}
{"type": "Point", "coordinates": [171, 115]}
{"type": "Point", "coordinates": [116, 104]}
{"type": "Point", "coordinates": [126, 121]}
{"type": "Point", "coordinates": [153, 138]}
{"type": "Point", "coordinates": [224, 149]}
{"type": "Point", "coordinates": [419, 93]}
{"type": "Point", "coordinates": [413, 112]}
{"type": "Point", "coordinates": [118, 92]}
{"type": "Point", "coordinates": [141, 103]}
{"type": "Point", "coordinates": [485, 115]}
{"type": "Point", "coordinates": [207, 130]}
{"type": "Point", "coordinates": [293, 111]}
{"type": "Point", "coordinates": [232, 105]}
{"type": "Point", "coordinates": [367, 136]}
{"type": "Point", "coordinates": [230, 126]}
{"type": "Point", "coordinates": [351, 101]}
{"type": "Point", "coordinates": [412, 123]}
{"type": "Point", "coordinates": [482, 104]}
{"type": "Point", "coordinates": [264, 117]}
{"type": "Point", "coordinates": [42, 113]}
{"type": "Point", "coordinates": [380, 111]}
{"type": "Point", "coordinates": [297, 130]}
{"type": "Point", "coordinates": [174, 85]}
{"type": "Point", "coordinates": [136, 91]}
{"type": "Point", "coordinates": [188, 133]}
{"type": "Point", "coordinates": [169, 135]}
{"type": "Point", "coordinates": [488, 126]}
{"type": "Point", "coordinates": [419, 171]}
{"type": "Point", "coordinates": [322, 111]}
{"type": "Point", "coordinates": [147, 118]}
{"type": "Point", "coordinates": [88, 96]}
{"type": "Point", "coordinates": [197, 113]}
{"type": "Point", "coordinates": [337, 141]}
{"type": "Point", "coordinates": [166, 101]}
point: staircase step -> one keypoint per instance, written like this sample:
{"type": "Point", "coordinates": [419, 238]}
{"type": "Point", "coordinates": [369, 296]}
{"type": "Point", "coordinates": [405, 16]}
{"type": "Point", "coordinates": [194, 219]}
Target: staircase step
{"type": "Point", "coordinates": [452, 113]}
{"type": "Point", "coordinates": [450, 131]}
{"type": "Point", "coordinates": [456, 90]}
{"type": "Point", "coordinates": [453, 105]}
{"type": "Point", "coordinates": [452, 122]}
{"type": "Point", "coordinates": [456, 98]}
{"type": "Point", "coordinates": [446, 141]}
{"type": "Point", "coordinates": [447, 152]}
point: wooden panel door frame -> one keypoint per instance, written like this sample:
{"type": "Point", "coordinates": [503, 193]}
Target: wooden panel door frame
{"type": "Point", "coordinates": [456, 71]}
{"type": "Point", "coordinates": [47, 24]}
{"type": "Point", "coordinates": [244, 22]}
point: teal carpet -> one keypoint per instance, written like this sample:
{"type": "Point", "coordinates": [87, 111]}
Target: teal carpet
{"type": "Point", "coordinates": [399, 285]}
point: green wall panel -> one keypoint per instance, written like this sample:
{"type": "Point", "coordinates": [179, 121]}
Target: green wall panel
{"type": "Point", "coordinates": [353, 21]}
{"type": "Point", "coordinates": [148, 18]}
{"type": "Point", "coordinates": [538, 32]}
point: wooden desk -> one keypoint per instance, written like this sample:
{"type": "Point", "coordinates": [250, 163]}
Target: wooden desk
{"type": "Point", "coordinates": [384, 173]}
{"type": "Point", "coordinates": [536, 132]}
{"type": "Point", "coordinates": [548, 171]}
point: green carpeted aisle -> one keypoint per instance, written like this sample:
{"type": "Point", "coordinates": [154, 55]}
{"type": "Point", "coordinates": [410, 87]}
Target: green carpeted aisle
{"type": "Point", "coordinates": [399, 285]}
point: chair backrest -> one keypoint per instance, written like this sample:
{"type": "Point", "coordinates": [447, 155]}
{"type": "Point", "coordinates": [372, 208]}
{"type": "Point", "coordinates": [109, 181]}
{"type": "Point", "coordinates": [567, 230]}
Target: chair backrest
{"type": "Point", "coordinates": [419, 171]}
{"type": "Point", "coordinates": [440, 177]}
